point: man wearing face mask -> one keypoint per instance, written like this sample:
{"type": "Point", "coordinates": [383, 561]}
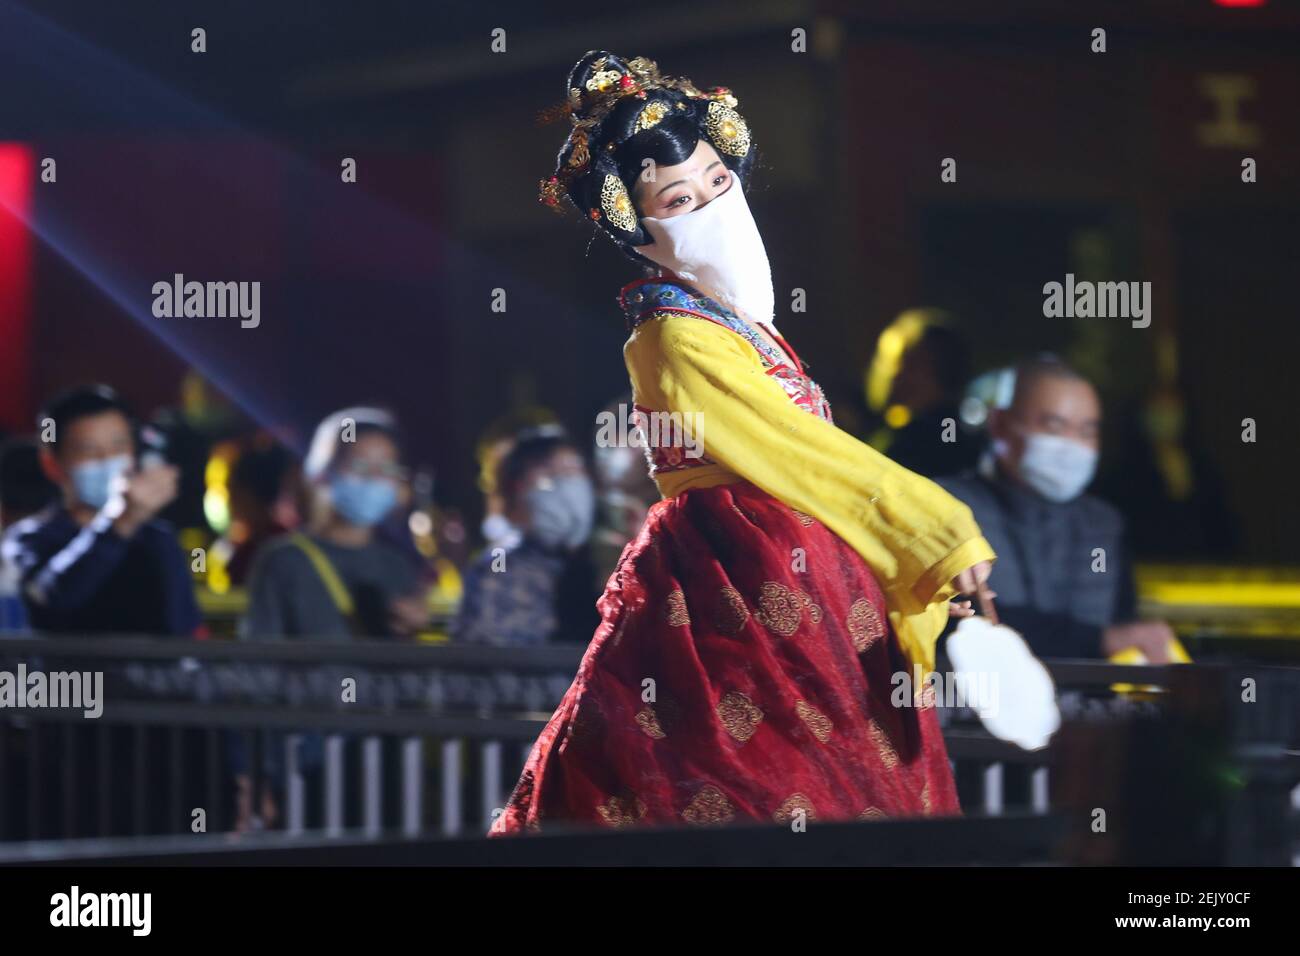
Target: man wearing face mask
{"type": "Point", "coordinates": [99, 561]}
{"type": "Point", "coordinates": [336, 581]}
{"type": "Point", "coordinates": [1050, 537]}
{"type": "Point", "coordinates": [543, 588]}
{"type": "Point", "coordinates": [339, 579]}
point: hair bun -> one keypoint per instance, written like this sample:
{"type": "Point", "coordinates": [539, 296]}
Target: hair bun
{"type": "Point", "coordinates": [597, 74]}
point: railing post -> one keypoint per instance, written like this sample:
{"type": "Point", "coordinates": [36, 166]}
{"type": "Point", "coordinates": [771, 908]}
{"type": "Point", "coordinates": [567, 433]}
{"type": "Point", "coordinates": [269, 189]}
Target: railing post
{"type": "Point", "coordinates": [69, 778]}
{"type": "Point", "coordinates": [212, 771]}
{"type": "Point", "coordinates": [372, 786]}
{"type": "Point", "coordinates": [139, 787]}
{"type": "Point", "coordinates": [412, 785]}
{"type": "Point", "coordinates": [451, 813]}
{"type": "Point", "coordinates": [294, 791]}
{"type": "Point", "coordinates": [333, 796]}
{"type": "Point", "coordinates": [1040, 791]}
{"type": "Point", "coordinates": [105, 777]}
{"type": "Point", "coordinates": [993, 789]}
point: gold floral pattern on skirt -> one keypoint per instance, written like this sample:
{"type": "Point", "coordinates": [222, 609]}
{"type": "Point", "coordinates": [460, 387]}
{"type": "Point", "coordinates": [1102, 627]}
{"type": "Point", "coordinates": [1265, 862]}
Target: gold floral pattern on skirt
{"type": "Point", "coordinates": [854, 772]}
{"type": "Point", "coordinates": [792, 805]}
{"type": "Point", "coordinates": [814, 610]}
{"type": "Point", "coordinates": [804, 519]}
{"type": "Point", "coordinates": [621, 811]}
{"type": "Point", "coordinates": [675, 609]}
{"type": "Point", "coordinates": [925, 797]}
{"type": "Point", "coordinates": [779, 608]}
{"type": "Point", "coordinates": [731, 613]}
{"type": "Point", "coordinates": [740, 716]}
{"type": "Point", "coordinates": [865, 625]}
{"type": "Point", "coordinates": [648, 721]}
{"type": "Point", "coordinates": [820, 725]}
{"type": "Point", "coordinates": [708, 806]}
{"type": "Point", "coordinates": [880, 740]}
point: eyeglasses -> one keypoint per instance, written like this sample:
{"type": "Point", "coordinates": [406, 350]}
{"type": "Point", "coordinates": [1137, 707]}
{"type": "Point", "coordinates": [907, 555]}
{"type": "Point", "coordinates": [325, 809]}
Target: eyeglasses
{"type": "Point", "coordinates": [376, 469]}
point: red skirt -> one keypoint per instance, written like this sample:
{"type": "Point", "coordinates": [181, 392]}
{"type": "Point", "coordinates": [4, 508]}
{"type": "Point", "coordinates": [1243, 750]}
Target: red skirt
{"type": "Point", "coordinates": [741, 671]}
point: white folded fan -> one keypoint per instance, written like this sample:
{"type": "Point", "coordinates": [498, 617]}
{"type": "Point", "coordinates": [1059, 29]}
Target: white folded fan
{"type": "Point", "coordinates": [1009, 689]}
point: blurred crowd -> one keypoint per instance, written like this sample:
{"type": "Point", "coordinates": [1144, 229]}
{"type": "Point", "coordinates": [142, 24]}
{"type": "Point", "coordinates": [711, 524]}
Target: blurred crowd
{"type": "Point", "coordinates": [195, 523]}
{"type": "Point", "coordinates": [174, 525]}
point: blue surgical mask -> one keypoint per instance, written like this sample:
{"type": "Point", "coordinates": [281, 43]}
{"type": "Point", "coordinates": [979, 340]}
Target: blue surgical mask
{"type": "Point", "coordinates": [94, 481]}
{"type": "Point", "coordinates": [499, 532]}
{"type": "Point", "coordinates": [561, 511]}
{"type": "Point", "coordinates": [362, 501]}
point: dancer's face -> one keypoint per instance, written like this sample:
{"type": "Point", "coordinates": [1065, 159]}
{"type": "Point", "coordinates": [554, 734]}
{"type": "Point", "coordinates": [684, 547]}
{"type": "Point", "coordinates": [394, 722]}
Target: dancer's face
{"type": "Point", "coordinates": [686, 187]}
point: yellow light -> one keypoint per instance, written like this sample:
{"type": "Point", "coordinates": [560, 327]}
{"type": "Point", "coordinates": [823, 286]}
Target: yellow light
{"type": "Point", "coordinates": [1225, 594]}
{"type": "Point", "coordinates": [217, 471]}
{"type": "Point", "coordinates": [897, 416]}
{"type": "Point", "coordinates": [216, 508]}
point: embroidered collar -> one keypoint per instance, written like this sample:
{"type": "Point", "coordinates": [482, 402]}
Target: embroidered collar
{"type": "Point", "coordinates": [641, 299]}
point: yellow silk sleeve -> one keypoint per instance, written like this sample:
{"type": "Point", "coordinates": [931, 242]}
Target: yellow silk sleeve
{"type": "Point", "coordinates": [913, 535]}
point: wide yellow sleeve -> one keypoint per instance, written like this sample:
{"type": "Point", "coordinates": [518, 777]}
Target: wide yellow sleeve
{"type": "Point", "coordinates": [913, 535]}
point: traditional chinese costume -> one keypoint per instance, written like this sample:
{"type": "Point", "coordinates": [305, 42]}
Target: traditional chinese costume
{"type": "Point", "coordinates": [743, 668]}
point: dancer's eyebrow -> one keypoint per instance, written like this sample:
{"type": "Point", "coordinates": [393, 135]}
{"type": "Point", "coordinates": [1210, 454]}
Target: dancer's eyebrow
{"type": "Point", "coordinates": [668, 187]}
{"type": "Point", "coordinates": [716, 162]}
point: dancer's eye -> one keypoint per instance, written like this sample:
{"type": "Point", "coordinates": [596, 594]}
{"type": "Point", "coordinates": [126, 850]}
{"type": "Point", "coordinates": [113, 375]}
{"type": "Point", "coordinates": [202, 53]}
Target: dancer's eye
{"type": "Point", "coordinates": [719, 180]}
{"type": "Point", "coordinates": [680, 201]}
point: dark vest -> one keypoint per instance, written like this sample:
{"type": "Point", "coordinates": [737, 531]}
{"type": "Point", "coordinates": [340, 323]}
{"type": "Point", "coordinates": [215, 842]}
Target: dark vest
{"type": "Point", "coordinates": [1047, 551]}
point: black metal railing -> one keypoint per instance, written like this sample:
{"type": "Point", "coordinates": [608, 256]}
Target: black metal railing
{"type": "Point", "coordinates": [381, 741]}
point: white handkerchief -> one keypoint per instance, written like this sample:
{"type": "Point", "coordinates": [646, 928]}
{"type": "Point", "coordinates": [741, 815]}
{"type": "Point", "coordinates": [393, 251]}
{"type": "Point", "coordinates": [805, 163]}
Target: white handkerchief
{"type": "Point", "coordinates": [1004, 683]}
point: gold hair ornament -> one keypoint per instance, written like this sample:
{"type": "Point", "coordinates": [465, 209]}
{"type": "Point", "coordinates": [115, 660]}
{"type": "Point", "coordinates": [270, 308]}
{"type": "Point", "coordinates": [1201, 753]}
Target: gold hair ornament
{"type": "Point", "coordinates": [587, 108]}
{"type": "Point", "coordinates": [617, 204]}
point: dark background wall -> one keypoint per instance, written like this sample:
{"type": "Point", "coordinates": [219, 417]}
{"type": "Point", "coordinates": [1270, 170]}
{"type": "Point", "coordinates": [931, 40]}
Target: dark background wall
{"type": "Point", "coordinates": [224, 166]}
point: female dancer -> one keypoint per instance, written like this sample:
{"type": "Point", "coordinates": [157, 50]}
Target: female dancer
{"type": "Point", "coordinates": [749, 637]}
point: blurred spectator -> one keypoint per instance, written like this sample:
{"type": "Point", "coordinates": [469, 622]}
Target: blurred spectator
{"type": "Point", "coordinates": [24, 487]}
{"type": "Point", "coordinates": [542, 589]}
{"type": "Point", "coordinates": [99, 561]}
{"type": "Point", "coordinates": [1062, 577]}
{"type": "Point", "coordinates": [340, 580]}
{"type": "Point", "coordinates": [201, 419]}
{"type": "Point", "coordinates": [928, 390]}
{"type": "Point", "coordinates": [493, 446]}
{"type": "Point", "coordinates": [496, 528]}
{"type": "Point", "coordinates": [624, 493]}
{"type": "Point", "coordinates": [262, 504]}
{"type": "Point", "coordinates": [24, 490]}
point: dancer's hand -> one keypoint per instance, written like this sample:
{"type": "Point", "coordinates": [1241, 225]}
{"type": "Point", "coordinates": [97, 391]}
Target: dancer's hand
{"type": "Point", "coordinates": [960, 609]}
{"type": "Point", "coordinates": [968, 581]}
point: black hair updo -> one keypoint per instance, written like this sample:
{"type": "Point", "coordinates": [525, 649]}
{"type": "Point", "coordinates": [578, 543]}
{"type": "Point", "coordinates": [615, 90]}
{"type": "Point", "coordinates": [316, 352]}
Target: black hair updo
{"type": "Point", "coordinates": [626, 115]}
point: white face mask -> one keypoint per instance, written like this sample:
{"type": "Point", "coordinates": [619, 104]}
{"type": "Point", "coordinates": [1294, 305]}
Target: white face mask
{"type": "Point", "coordinates": [717, 249]}
{"type": "Point", "coordinates": [1057, 468]}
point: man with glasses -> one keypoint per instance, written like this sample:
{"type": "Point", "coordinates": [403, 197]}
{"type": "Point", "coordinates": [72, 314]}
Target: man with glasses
{"type": "Point", "coordinates": [339, 579]}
